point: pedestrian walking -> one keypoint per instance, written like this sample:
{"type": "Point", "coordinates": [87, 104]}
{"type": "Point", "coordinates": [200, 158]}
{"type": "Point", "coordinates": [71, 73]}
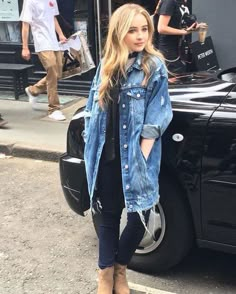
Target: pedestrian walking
{"type": "Point", "coordinates": [40, 15]}
{"type": "Point", "coordinates": [127, 112]}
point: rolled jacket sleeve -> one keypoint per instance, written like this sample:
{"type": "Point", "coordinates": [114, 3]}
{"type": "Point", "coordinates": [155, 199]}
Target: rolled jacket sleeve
{"type": "Point", "coordinates": [158, 110]}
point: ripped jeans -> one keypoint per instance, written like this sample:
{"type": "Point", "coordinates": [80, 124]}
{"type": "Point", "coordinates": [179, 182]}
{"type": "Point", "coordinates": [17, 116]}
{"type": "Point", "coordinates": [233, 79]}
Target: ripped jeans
{"type": "Point", "coordinates": [113, 247]}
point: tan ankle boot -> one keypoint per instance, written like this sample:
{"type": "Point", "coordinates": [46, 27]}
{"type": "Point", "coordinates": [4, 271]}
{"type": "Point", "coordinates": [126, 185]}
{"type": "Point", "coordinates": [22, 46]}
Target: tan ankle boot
{"type": "Point", "coordinates": [105, 280]}
{"type": "Point", "coordinates": [120, 281]}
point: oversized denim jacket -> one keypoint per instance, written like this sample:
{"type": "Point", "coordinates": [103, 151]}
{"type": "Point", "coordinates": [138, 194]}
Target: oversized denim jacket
{"type": "Point", "coordinates": [145, 111]}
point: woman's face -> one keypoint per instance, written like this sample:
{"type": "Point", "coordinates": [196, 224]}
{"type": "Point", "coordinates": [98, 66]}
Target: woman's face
{"type": "Point", "coordinates": [137, 36]}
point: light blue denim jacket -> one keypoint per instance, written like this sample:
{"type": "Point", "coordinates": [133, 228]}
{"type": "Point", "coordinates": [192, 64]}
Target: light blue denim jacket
{"type": "Point", "coordinates": [145, 111]}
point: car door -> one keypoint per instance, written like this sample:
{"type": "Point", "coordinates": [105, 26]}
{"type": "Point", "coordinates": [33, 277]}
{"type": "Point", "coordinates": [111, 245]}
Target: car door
{"type": "Point", "coordinates": [218, 182]}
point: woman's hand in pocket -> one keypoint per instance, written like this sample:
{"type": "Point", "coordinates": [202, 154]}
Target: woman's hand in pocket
{"type": "Point", "coordinates": [146, 146]}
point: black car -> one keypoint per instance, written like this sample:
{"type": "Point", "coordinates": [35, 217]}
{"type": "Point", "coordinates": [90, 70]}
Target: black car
{"type": "Point", "coordinates": [198, 172]}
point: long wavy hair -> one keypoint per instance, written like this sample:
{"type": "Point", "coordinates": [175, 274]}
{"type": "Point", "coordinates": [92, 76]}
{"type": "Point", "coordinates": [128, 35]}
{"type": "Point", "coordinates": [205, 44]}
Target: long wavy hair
{"type": "Point", "coordinates": [116, 52]}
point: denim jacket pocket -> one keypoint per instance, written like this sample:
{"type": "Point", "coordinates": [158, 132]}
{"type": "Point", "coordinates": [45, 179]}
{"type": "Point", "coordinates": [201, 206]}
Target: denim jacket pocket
{"type": "Point", "coordinates": [136, 93]}
{"type": "Point", "coordinates": [143, 159]}
{"type": "Point", "coordinates": [142, 179]}
{"type": "Point", "coordinates": [137, 99]}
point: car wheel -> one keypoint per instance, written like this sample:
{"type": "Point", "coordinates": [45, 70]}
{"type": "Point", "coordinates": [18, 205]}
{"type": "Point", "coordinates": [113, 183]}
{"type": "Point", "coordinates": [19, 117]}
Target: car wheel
{"type": "Point", "coordinates": [173, 232]}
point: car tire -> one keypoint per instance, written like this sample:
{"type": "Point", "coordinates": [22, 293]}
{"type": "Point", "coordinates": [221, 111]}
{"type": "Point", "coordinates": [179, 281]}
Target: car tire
{"type": "Point", "coordinates": [175, 235]}
{"type": "Point", "coordinates": [177, 239]}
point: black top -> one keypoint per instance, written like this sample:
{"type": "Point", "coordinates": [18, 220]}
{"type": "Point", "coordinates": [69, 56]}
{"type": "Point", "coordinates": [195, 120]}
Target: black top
{"type": "Point", "coordinates": [133, 55]}
{"type": "Point", "coordinates": [170, 8]}
{"type": "Point", "coordinates": [66, 9]}
{"type": "Point", "coordinates": [111, 147]}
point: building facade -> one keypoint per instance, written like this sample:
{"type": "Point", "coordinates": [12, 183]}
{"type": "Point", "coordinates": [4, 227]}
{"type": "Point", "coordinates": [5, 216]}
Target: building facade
{"type": "Point", "coordinates": [91, 16]}
{"type": "Point", "coordinates": [10, 42]}
{"type": "Point", "coordinates": [220, 17]}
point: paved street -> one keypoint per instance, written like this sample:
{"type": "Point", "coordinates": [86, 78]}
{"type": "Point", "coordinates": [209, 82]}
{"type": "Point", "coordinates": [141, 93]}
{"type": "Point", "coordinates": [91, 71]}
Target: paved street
{"type": "Point", "coordinates": [46, 248]}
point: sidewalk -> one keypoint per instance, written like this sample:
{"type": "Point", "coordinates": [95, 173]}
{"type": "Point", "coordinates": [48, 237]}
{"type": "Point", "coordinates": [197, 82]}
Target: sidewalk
{"type": "Point", "coordinates": [30, 133]}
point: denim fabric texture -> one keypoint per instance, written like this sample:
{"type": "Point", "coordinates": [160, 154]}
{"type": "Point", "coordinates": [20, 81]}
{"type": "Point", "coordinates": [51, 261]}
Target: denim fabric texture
{"type": "Point", "coordinates": [145, 111]}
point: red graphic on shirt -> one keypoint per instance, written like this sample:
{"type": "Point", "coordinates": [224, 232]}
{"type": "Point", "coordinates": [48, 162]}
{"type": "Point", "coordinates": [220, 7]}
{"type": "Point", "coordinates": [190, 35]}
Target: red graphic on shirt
{"type": "Point", "coordinates": [51, 3]}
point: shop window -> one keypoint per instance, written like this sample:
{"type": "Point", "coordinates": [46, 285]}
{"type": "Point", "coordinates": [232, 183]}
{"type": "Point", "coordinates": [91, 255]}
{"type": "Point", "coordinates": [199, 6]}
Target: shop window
{"type": "Point", "coordinates": [81, 17]}
{"type": "Point", "coordinates": [10, 32]}
{"type": "Point", "coordinates": [9, 21]}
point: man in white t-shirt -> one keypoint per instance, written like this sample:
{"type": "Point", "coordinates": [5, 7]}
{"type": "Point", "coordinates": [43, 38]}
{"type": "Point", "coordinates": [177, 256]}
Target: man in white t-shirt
{"type": "Point", "coordinates": [40, 15]}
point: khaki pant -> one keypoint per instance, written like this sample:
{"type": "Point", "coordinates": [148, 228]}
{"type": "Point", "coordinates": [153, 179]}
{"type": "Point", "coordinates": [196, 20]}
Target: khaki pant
{"type": "Point", "coordinates": [52, 63]}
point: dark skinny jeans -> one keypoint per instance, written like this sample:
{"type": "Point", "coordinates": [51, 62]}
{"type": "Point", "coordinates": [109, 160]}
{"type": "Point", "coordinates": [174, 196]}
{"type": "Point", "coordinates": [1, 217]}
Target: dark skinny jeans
{"type": "Point", "coordinates": [114, 248]}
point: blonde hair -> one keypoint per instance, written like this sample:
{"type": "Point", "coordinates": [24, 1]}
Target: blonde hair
{"type": "Point", "coordinates": [116, 51]}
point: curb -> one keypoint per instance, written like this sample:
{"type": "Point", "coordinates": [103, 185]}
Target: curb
{"type": "Point", "coordinates": [18, 150]}
{"type": "Point", "coordinates": [140, 289]}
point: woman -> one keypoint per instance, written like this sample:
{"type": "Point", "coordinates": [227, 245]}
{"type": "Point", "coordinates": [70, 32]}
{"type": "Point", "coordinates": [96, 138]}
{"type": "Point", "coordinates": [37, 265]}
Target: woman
{"type": "Point", "coordinates": [171, 32]}
{"type": "Point", "coordinates": [128, 110]}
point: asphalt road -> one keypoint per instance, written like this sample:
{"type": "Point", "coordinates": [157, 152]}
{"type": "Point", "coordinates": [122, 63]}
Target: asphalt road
{"type": "Point", "coordinates": [45, 248]}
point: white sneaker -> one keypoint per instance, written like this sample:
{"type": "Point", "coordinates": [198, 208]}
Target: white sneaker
{"type": "Point", "coordinates": [57, 115]}
{"type": "Point", "coordinates": [32, 98]}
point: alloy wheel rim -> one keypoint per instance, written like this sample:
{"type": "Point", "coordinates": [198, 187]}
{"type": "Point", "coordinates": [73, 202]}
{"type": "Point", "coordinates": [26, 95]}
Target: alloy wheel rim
{"type": "Point", "coordinates": [156, 227]}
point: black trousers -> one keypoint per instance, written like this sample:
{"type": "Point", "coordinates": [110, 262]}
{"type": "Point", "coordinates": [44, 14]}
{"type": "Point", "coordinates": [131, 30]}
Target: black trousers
{"type": "Point", "coordinates": [114, 248]}
{"type": "Point", "coordinates": [173, 60]}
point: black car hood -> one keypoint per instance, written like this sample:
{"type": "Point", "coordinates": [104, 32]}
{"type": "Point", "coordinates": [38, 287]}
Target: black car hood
{"type": "Point", "coordinates": [199, 87]}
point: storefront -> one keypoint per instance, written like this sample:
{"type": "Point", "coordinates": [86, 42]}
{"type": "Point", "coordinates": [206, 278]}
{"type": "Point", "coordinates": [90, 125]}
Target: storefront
{"type": "Point", "coordinates": [10, 42]}
{"type": "Point", "coordinates": [220, 17]}
{"type": "Point", "coordinates": [90, 16]}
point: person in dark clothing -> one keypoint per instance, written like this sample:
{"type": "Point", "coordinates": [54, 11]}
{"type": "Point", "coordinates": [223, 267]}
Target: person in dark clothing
{"type": "Point", "coordinates": [2, 121]}
{"type": "Point", "coordinates": [66, 17]}
{"type": "Point", "coordinates": [171, 32]}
